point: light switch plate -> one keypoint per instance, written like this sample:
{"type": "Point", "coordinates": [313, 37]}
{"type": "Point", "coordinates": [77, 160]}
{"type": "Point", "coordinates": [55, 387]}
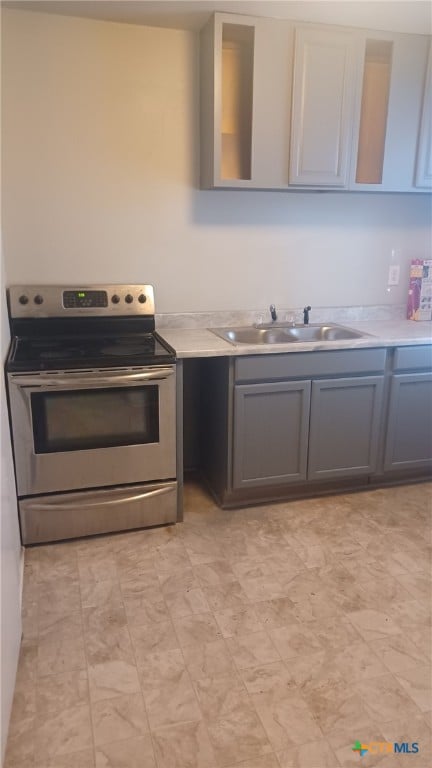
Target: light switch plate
{"type": "Point", "coordinates": [394, 274]}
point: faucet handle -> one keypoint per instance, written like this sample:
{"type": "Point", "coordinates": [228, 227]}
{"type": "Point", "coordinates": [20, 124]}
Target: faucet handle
{"type": "Point", "coordinates": [273, 312]}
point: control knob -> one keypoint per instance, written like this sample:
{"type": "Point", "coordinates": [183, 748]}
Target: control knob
{"type": "Point", "coordinates": [115, 299]}
{"type": "Point", "coordinates": [38, 299]}
{"type": "Point", "coordinates": [142, 298]}
{"type": "Point", "coordinates": [128, 298]}
{"type": "Point", "coordinates": [23, 299]}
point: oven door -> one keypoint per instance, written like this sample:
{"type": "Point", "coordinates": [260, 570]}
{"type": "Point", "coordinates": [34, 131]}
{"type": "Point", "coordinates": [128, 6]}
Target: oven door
{"type": "Point", "coordinates": [90, 429]}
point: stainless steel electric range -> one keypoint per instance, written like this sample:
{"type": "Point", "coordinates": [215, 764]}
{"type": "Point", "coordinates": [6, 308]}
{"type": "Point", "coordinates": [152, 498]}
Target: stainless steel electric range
{"type": "Point", "coordinates": [92, 396]}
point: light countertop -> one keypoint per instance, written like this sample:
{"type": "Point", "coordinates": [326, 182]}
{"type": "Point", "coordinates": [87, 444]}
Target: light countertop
{"type": "Point", "coordinates": [202, 342]}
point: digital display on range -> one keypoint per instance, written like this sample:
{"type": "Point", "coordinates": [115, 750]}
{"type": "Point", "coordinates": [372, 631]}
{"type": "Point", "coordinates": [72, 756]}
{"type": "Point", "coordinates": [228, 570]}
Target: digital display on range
{"type": "Point", "coordinates": [84, 299]}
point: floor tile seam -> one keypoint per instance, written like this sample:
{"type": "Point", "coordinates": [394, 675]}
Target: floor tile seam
{"type": "Point", "coordinates": [180, 572]}
{"type": "Point", "coordinates": [93, 609]}
{"type": "Point", "coordinates": [251, 600]}
{"type": "Point", "coordinates": [408, 691]}
{"type": "Point", "coordinates": [337, 763]}
{"type": "Point", "coordinates": [207, 722]}
{"type": "Point", "coordinates": [191, 683]}
{"type": "Point", "coordinates": [55, 618]}
{"type": "Point", "coordinates": [239, 637]}
{"type": "Point", "coordinates": [183, 592]}
{"type": "Point", "coordinates": [218, 587]}
{"type": "Point", "coordinates": [40, 683]}
{"type": "Point", "coordinates": [349, 616]}
{"type": "Point", "coordinates": [146, 623]}
{"type": "Point", "coordinates": [417, 597]}
{"type": "Point", "coordinates": [57, 606]}
{"type": "Point", "coordinates": [328, 732]}
{"type": "Point", "coordinates": [179, 618]}
{"type": "Point", "coordinates": [240, 680]}
{"type": "Point", "coordinates": [311, 715]}
{"type": "Point", "coordinates": [407, 637]}
{"type": "Point", "coordinates": [376, 658]}
{"type": "Point", "coordinates": [137, 674]}
{"type": "Point", "coordinates": [333, 752]}
{"type": "Point", "coordinates": [153, 736]}
{"type": "Point", "coordinates": [237, 609]}
{"type": "Point", "coordinates": [380, 721]}
{"type": "Point", "coordinates": [88, 665]}
{"type": "Point", "coordinates": [148, 626]}
{"type": "Point", "coordinates": [324, 650]}
{"type": "Point", "coordinates": [297, 691]}
{"type": "Point", "coordinates": [190, 680]}
{"type": "Point", "coordinates": [64, 638]}
{"type": "Point", "coordinates": [417, 645]}
{"type": "Point", "coordinates": [94, 581]}
{"type": "Point", "coordinates": [117, 741]}
{"type": "Point", "coordinates": [219, 582]}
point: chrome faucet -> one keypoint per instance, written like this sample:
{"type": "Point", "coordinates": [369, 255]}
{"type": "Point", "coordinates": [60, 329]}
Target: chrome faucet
{"type": "Point", "coordinates": [273, 313]}
{"type": "Point", "coordinates": [306, 315]}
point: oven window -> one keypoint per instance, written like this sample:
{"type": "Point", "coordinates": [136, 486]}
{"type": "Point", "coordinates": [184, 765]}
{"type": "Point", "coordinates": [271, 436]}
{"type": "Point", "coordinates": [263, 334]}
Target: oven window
{"type": "Point", "coordinates": [95, 418]}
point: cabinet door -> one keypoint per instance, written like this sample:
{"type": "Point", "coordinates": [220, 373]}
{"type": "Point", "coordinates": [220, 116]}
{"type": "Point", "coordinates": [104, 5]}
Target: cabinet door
{"type": "Point", "coordinates": [409, 430]}
{"type": "Point", "coordinates": [424, 156]}
{"type": "Point", "coordinates": [270, 433]}
{"type": "Point", "coordinates": [322, 107]}
{"type": "Point", "coordinates": [389, 89]}
{"type": "Point", "coordinates": [344, 427]}
{"type": "Point", "coordinates": [246, 66]}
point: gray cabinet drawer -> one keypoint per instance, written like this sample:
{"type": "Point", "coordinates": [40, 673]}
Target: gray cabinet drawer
{"type": "Point", "coordinates": [413, 358]}
{"type": "Point", "coordinates": [309, 364]}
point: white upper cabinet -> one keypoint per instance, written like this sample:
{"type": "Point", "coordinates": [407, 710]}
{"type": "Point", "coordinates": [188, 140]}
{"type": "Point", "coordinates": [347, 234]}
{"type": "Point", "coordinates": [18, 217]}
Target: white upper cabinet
{"type": "Point", "coordinates": [287, 106]}
{"type": "Point", "coordinates": [424, 156]}
{"type": "Point", "coordinates": [389, 94]}
{"type": "Point", "coordinates": [246, 73]}
{"type": "Point", "coordinates": [322, 107]}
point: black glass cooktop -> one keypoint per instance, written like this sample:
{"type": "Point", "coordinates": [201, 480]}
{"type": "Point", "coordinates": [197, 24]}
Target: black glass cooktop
{"type": "Point", "coordinates": [86, 351]}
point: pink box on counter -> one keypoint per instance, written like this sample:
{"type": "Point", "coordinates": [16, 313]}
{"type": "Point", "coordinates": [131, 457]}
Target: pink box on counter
{"type": "Point", "coordinates": [420, 290]}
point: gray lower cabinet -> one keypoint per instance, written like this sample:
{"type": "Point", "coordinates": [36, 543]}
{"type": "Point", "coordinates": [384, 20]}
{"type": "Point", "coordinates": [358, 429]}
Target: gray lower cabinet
{"type": "Point", "coordinates": [409, 430]}
{"type": "Point", "coordinates": [270, 433]}
{"type": "Point", "coordinates": [344, 427]}
{"type": "Point", "coordinates": [287, 425]}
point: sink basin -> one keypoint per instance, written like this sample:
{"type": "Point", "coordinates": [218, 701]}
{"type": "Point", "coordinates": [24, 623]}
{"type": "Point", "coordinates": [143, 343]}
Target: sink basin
{"type": "Point", "coordinates": [287, 334]}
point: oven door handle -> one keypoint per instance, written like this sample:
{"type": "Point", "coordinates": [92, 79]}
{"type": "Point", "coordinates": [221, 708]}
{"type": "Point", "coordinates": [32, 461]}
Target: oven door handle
{"type": "Point", "coordinates": [71, 506]}
{"type": "Point", "coordinates": [82, 380]}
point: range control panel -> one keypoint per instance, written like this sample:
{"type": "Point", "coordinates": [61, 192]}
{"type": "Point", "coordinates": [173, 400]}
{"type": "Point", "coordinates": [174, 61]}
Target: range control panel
{"type": "Point", "coordinates": [74, 299]}
{"type": "Point", "coordinates": [61, 301]}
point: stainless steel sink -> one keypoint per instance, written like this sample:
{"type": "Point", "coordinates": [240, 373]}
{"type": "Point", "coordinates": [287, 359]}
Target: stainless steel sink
{"type": "Point", "coordinates": [286, 334]}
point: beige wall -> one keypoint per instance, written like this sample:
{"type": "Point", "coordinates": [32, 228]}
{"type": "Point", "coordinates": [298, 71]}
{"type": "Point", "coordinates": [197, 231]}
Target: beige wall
{"type": "Point", "coordinates": [10, 550]}
{"type": "Point", "coordinates": [100, 183]}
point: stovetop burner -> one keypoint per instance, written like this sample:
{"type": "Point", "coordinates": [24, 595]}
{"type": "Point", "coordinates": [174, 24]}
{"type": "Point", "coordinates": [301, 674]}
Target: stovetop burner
{"type": "Point", "coordinates": [49, 353]}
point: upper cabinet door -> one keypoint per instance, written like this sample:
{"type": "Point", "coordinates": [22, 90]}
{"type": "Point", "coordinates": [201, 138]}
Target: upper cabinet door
{"type": "Point", "coordinates": [322, 107]}
{"type": "Point", "coordinates": [246, 67]}
{"type": "Point", "coordinates": [390, 82]}
{"type": "Point", "coordinates": [424, 155]}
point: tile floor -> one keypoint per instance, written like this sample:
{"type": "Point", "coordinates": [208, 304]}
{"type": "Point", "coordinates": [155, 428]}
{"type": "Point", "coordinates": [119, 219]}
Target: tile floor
{"type": "Point", "coordinates": [270, 637]}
